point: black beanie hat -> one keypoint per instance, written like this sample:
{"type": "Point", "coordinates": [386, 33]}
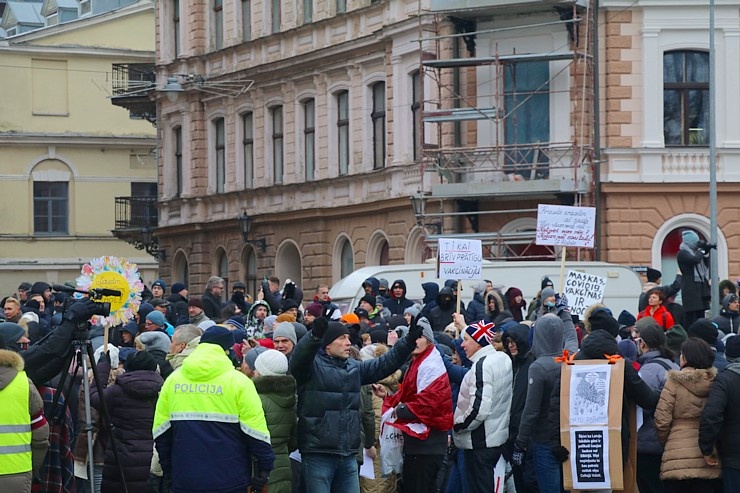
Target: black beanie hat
{"type": "Point", "coordinates": [653, 275]}
{"type": "Point", "coordinates": [334, 330]}
{"type": "Point", "coordinates": [219, 335]}
{"type": "Point", "coordinates": [546, 282]}
{"type": "Point", "coordinates": [704, 329]}
{"type": "Point", "coordinates": [601, 320]}
{"type": "Point", "coordinates": [732, 347]}
{"type": "Point", "coordinates": [369, 299]}
{"type": "Point", "coordinates": [141, 360]}
{"type": "Point", "coordinates": [626, 319]}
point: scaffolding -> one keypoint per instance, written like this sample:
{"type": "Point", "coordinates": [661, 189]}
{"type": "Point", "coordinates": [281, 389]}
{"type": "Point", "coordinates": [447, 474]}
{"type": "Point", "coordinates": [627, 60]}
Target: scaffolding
{"type": "Point", "coordinates": [502, 126]}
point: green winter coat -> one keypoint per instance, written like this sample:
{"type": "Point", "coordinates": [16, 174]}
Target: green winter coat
{"type": "Point", "coordinates": [278, 394]}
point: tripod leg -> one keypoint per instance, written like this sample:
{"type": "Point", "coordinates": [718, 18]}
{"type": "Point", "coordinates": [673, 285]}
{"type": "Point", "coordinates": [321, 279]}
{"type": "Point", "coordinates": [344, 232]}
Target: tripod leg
{"type": "Point", "coordinates": [105, 416]}
{"type": "Point", "coordinates": [88, 426]}
{"type": "Point", "coordinates": [59, 412]}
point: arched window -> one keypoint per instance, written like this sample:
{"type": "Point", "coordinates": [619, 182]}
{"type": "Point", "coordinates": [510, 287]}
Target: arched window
{"type": "Point", "coordinates": [180, 270]}
{"type": "Point", "coordinates": [288, 264]}
{"type": "Point", "coordinates": [347, 259]}
{"type": "Point", "coordinates": [223, 269]}
{"type": "Point", "coordinates": [249, 270]}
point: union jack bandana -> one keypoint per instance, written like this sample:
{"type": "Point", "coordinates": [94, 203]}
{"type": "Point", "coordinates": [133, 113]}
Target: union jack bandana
{"type": "Point", "coordinates": [481, 331]}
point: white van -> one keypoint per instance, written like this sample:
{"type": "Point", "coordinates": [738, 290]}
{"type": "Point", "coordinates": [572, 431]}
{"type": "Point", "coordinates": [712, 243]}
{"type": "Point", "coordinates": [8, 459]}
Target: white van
{"type": "Point", "coordinates": [622, 291]}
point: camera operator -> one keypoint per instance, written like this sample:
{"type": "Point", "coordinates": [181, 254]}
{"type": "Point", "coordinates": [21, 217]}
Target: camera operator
{"type": "Point", "coordinates": [44, 360]}
{"type": "Point", "coordinates": [693, 261]}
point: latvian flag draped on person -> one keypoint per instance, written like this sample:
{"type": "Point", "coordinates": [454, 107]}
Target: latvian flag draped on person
{"type": "Point", "coordinates": [426, 392]}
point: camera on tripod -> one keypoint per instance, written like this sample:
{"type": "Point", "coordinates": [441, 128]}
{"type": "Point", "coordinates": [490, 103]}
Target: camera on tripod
{"type": "Point", "coordinates": [102, 308]}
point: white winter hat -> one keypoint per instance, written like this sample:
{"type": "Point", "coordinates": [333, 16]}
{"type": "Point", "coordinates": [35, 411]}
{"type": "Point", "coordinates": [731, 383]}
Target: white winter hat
{"type": "Point", "coordinates": [271, 363]}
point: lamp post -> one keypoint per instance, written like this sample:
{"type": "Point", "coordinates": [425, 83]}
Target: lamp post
{"type": "Point", "coordinates": [245, 225]}
{"type": "Point", "coordinates": [714, 265]}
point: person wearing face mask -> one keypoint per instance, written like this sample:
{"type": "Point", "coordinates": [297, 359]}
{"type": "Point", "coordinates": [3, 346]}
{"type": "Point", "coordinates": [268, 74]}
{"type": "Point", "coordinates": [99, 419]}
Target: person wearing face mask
{"type": "Point", "coordinates": [559, 308]}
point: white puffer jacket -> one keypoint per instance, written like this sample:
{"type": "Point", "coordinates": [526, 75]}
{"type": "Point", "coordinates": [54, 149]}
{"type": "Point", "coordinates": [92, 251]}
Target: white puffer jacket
{"type": "Point", "coordinates": [484, 403]}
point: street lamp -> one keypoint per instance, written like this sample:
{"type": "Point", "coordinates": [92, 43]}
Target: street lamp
{"type": "Point", "coordinates": [245, 224]}
{"type": "Point", "coordinates": [150, 244]}
{"type": "Point", "coordinates": [417, 203]}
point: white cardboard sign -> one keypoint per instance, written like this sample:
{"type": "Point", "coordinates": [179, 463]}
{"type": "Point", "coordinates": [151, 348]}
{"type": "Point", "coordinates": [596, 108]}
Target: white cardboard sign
{"type": "Point", "coordinates": [459, 259]}
{"type": "Point", "coordinates": [583, 290]}
{"type": "Point", "coordinates": [564, 225]}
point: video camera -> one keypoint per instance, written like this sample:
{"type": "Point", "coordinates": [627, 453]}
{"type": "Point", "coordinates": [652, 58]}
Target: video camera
{"type": "Point", "coordinates": [706, 246]}
{"type": "Point", "coordinates": [101, 308]}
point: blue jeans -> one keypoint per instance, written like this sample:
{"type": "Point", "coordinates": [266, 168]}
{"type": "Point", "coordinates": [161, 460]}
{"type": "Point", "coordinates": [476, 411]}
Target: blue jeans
{"type": "Point", "coordinates": [458, 481]}
{"type": "Point", "coordinates": [327, 473]}
{"type": "Point", "coordinates": [549, 469]}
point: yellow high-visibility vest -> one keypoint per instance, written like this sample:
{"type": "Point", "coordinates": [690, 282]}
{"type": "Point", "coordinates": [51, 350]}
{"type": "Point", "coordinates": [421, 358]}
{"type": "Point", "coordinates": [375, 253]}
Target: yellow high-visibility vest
{"type": "Point", "coordinates": [15, 427]}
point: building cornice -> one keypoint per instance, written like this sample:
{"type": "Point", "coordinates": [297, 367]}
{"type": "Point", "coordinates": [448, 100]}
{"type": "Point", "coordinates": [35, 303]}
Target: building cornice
{"type": "Point", "coordinates": [77, 50]}
{"type": "Point", "coordinates": [32, 139]}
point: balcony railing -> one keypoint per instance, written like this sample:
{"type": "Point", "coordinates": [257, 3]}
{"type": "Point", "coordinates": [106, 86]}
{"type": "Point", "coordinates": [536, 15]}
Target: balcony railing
{"type": "Point", "coordinates": [136, 213]}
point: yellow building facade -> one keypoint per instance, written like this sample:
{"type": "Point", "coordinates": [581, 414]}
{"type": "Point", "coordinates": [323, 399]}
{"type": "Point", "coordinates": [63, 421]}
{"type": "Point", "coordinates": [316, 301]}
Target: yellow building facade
{"type": "Point", "coordinates": [65, 151]}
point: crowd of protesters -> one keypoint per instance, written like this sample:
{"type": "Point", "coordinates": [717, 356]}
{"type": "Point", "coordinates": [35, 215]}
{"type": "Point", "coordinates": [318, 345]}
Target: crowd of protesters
{"type": "Point", "coordinates": [220, 392]}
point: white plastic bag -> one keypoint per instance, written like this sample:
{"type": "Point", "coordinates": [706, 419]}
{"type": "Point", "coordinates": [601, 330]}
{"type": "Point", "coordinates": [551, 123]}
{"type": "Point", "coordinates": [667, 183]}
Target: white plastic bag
{"type": "Point", "coordinates": [391, 446]}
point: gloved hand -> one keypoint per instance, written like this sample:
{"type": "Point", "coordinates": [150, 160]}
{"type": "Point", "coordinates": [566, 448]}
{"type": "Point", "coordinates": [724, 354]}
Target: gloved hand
{"type": "Point", "coordinates": [560, 453]}
{"type": "Point", "coordinates": [319, 327]}
{"type": "Point", "coordinates": [82, 310]}
{"type": "Point", "coordinates": [517, 457]}
{"type": "Point", "coordinates": [418, 327]}
{"type": "Point", "coordinates": [259, 480]}
{"type": "Point", "coordinates": [562, 303]}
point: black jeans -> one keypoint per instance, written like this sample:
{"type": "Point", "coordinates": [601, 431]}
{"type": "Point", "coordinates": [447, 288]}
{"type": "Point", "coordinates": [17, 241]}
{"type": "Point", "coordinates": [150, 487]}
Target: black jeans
{"type": "Point", "coordinates": [479, 466]}
{"type": "Point", "coordinates": [648, 473]}
{"type": "Point", "coordinates": [420, 473]}
{"type": "Point", "coordinates": [693, 485]}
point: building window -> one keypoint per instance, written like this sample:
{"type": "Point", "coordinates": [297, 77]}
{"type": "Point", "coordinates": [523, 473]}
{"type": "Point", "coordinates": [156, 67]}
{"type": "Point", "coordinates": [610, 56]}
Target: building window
{"type": "Point", "coordinates": [309, 137]}
{"type": "Point", "coordinates": [176, 26]}
{"type": "Point", "coordinates": [218, 24]}
{"type": "Point", "coordinates": [50, 211]}
{"type": "Point", "coordinates": [219, 133]}
{"type": "Point", "coordinates": [527, 106]}
{"type": "Point", "coordinates": [343, 131]}
{"type": "Point", "coordinates": [307, 11]}
{"type": "Point", "coordinates": [341, 6]}
{"type": "Point", "coordinates": [277, 144]}
{"type": "Point", "coordinates": [248, 148]}
{"type": "Point", "coordinates": [178, 160]}
{"type": "Point", "coordinates": [246, 20]}
{"type": "Point", "coordinates": [686, 98]}
{"type": "Point", "coordinates": [223, 271]}
{"type": "Point", "coordinates": [416, 113]}
{"type": "Point", "coordinates": [275, 16]}
{"type": "Point", "coordinates": [347, 259]}
{"type": "Point", "coordinates": [378, 119]}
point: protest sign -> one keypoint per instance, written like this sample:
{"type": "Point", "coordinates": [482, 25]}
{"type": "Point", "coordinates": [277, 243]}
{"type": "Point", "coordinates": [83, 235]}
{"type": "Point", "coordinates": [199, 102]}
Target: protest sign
{"type": "Point", "coordinates": [562, 225]}
{"type": "Point", "coordinates": [595, 459]}
{"type": "Point", "coordinates": [583, 290]}
{"type": "Point", "coordinates": [459, 259]}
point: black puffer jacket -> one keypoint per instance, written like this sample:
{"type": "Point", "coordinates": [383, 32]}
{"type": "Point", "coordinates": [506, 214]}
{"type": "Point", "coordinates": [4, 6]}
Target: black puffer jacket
{"type": "Point", "coordinates": [211, 305]}
{"type": "Point", "coordinates": [720, 422]}
{"type": "Point", "coordinates": [131, 401]}
{"type": "Point", "coordinates": [329, 393]}
{"type": "Point", "coordinates": [520, 363]}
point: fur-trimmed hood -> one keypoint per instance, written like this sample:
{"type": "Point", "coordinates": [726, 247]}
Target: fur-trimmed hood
{"type": "Point", "coordinates": [499, 302]}
{"type": "Point", "coordinates": [279, 388]}
{"type": "Point", "coordinates": [10, 364]}
{"type": "Point", "coordinates": [11, 359]}
{"type": "Point", "coordinates": [698, 382]}
{"type": "Point", "coordinates": [587, 315]}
